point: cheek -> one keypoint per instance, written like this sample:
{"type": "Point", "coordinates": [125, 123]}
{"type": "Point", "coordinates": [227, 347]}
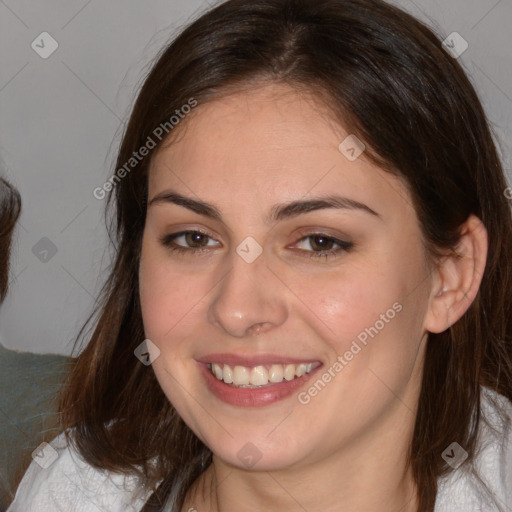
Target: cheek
{"type": "Point", "coordinates": [170, 298]}
{"type": "Point", "coordinates": [343, 303]}
{"type": "Point", "coordinates": [372, 308]}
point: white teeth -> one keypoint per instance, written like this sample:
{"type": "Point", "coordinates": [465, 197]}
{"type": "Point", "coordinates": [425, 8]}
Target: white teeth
{"type": "Point", "coordinates": [241, 375]}
{"type": "Point", "coordinates": [301, 370]}
{"type": "Point", "coordinates": [217, 370]}
{"type": "Point", "coordinates": [258, 376]}
{"type": "Point", "coordinates": [289, 372]}
{"type": "Point", "coordinates": [276, 373]}
{"type": "Point", "coordinates": [228, 374]}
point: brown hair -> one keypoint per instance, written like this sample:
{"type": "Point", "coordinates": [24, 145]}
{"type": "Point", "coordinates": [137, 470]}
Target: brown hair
{"type": "Point", "coordinates": [388, 79]}
{"type": "Point", "coordinates": [10, 207]}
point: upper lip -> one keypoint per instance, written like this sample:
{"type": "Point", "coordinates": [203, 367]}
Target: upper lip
{"type": "Point", "coordinates": [252, 360]}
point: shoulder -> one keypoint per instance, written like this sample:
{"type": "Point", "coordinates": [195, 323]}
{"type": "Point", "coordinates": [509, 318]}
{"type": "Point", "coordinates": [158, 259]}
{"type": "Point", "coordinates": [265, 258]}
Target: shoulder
{"type": "Point", "coordinates": [59, 479]}
{"type": "Point", "coordinates": [462, 490]}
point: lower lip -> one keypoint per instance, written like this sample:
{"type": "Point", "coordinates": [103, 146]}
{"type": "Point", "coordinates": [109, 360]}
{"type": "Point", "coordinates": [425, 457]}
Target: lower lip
{"type": "Point", "coordinates": [255, 397]}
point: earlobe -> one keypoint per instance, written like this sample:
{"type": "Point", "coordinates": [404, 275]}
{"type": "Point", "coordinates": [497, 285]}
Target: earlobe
{"type": "Point", "coordinates": [457, 278]}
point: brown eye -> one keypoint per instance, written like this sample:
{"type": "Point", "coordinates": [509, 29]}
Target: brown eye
{"type": "Point", "coordinates": [321, 243]}
{"type": "Point", "coordinates": [191, 242]}
{"type": "Point", "coordinates": [196, 239]}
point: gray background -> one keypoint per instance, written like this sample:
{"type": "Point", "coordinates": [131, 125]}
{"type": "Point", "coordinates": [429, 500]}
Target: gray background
{"type": "Point", "coordinates": [62, 117]}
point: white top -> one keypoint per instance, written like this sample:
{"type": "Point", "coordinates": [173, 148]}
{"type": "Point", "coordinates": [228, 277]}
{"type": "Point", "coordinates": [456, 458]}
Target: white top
{"type": "Point", "coordinates": [59, 480]}
{"type": "Point", "coordinates": [69, 484]}
{"type": "Point", "coordinates": [461, 491]}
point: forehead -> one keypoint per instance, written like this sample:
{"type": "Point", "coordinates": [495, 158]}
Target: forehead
{"type": "Point", "coordinates": [269, 144]}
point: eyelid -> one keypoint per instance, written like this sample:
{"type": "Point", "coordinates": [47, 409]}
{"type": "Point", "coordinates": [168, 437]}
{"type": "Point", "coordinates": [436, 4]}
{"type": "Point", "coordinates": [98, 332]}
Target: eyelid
{"type": "Point", "coordinates": [168, 238]}
{"type": "Point", "coordinates": [327, 232]}
{"type": "Point", "coordinates": [343, 245]}
{"type": "Point", "coordinates": [326, 254]}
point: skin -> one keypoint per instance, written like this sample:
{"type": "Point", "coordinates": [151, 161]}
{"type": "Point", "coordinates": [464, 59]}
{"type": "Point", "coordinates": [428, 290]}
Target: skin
{"type": "Point", "coordinates": [244, 153]}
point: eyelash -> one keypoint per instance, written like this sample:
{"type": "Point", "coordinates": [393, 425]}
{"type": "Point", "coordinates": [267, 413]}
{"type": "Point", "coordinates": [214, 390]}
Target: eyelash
{"type": "Point", "coordinates": [168, 241]}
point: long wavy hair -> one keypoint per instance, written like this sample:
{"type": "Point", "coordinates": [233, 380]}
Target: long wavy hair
{"type": "Point", "coordinates": [388, 79]}
{"type": "Point", "coordinates": [10, 208]}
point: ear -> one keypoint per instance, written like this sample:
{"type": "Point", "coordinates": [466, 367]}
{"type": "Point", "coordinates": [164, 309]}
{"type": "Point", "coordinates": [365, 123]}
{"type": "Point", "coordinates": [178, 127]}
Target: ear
{"type": "Point", "coordinates": [456, 280]}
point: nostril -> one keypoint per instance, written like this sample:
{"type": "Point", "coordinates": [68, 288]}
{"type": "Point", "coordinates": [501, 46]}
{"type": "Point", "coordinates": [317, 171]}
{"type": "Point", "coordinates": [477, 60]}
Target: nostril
{"type": "Point", "coordinates": [256, 328]}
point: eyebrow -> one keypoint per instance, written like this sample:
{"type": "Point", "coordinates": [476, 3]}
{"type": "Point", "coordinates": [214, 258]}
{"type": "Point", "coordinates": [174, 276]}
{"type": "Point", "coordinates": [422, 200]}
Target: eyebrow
{"type": "Point", "coordinates": [278, 212]}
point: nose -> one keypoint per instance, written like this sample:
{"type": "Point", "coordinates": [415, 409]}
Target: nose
{"type": "Point", "coordinates": [249, 300]}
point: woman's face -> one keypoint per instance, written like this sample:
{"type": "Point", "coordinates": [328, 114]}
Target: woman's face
{"type": "Point", "coordinates": [305, 258]}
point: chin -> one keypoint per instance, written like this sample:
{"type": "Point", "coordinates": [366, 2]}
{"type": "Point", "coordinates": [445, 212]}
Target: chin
{"type": "Point", "coordinates": [258, 453]}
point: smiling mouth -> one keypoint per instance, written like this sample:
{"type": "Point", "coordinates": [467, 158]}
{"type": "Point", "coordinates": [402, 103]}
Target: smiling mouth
{"type": "Point", "coordinates": [260, 376]}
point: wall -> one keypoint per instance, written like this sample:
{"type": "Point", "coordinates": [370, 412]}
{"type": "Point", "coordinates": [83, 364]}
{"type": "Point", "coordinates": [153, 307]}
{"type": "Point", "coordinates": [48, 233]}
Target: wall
{"type": "Point", "coordinates": [62, 117]}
